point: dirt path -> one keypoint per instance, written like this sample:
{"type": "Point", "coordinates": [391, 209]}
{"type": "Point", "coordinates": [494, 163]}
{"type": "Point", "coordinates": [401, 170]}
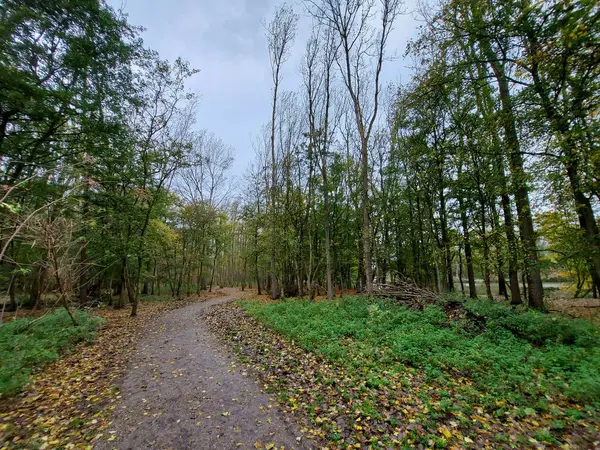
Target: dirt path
{"type": "Point", "coordinates": [185, 391]}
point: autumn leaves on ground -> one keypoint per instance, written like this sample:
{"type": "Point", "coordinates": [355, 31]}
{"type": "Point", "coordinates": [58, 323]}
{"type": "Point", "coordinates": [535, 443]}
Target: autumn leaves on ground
{"type": "Point", "coordinates": [68, 403]}
{"type": "Point", "coordinates": [353, 372]}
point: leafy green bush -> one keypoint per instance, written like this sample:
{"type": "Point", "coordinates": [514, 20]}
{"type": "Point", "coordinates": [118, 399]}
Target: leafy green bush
{"type": "Point", "coordinates": [515, 354]}
{"type": "Point", "coordinates": [536, 327]}
{"type": "Point", "coordinates": [24, 346]}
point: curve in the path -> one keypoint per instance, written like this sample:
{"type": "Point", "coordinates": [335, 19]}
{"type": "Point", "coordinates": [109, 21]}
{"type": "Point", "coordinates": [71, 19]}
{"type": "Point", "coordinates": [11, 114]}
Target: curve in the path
{"type": "Point", "coordinates": [184, 390]}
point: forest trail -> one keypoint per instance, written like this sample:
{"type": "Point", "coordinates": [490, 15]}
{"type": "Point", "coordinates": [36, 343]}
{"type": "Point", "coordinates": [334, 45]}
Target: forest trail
{"type": "Point", "coordinates": [184, 390]}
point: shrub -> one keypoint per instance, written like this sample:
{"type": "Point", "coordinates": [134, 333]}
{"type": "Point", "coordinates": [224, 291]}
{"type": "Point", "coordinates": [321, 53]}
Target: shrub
{"type": "Point", "coordinates": [25, 345]}
{"type": "Point", "coordinates": [535, 327]}
{"type": "Point", "coordinates": [515, 354]}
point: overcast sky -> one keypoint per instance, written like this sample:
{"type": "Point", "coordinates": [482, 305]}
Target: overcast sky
{"type": "Point", "coordinates": [225, 40]}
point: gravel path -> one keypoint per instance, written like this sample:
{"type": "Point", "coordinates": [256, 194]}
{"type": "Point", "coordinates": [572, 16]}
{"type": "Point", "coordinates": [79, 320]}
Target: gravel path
{"type": "Point", "coordinates": [184, 390]}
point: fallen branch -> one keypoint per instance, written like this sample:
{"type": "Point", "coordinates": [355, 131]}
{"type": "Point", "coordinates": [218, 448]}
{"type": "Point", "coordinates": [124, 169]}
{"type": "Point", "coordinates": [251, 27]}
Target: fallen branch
{"type": "Point", "coordinates": [404, 290]}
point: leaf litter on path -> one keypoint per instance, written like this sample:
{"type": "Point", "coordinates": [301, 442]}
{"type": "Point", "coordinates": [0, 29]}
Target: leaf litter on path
{"type": "Point", "coordinates": [67, 404]}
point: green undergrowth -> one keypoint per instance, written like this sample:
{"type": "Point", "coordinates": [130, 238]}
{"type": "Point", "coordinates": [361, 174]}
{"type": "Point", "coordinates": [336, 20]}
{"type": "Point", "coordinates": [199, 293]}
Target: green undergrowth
{"type": "Point", "coordinates": [527, 358]}
{"type": "Point", "coordinates": [25, 344]}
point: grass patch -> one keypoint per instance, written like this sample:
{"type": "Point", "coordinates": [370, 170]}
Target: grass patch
{"type": "Point", "coordinates": [23, 347]}
{"type": "Point", "coordinates": [522, 357]}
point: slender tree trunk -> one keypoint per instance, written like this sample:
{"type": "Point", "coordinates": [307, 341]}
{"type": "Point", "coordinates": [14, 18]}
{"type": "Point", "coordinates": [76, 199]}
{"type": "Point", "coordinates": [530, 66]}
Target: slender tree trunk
{"type": "Point", "coordinates": [446, 242]}
{"type": "Point", "coordinates": [460, 271]}
{"type": "Point", "coordinates": [366, 216]}
{"type": "Point", "coordinates": [528, 236]}
{"type": "Point", "coordinates": [121, 301]}
{"type": "Point", "coordinates": [131, 293]}
{"type": "Point", "coordinates": [212, 274]}
{"type": "Point", "coordinates": [37, 285]}
{"type": "Point", "coordinates": [274, 286]}
{"type": "Point", "coordinates": [327, 238]}
{"type": "Point", "coordinates": [153, 278]}
{"type": "Point", "coordinates": [61, 289]}
{"type": "Point", "coordinates": [11, 292]}
{"type": "Point", "coordinates": [468, 252]}
{"type": "Point", "coordinates": [513, 271]}
{"type": "Point", "coordinates": [499, 258]}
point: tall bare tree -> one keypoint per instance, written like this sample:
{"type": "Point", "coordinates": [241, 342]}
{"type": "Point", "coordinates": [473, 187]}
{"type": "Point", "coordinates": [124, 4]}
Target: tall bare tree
{"type": "Point", "coordinates": [281, 32]}
{"type": "Point", "coordinates": [360, 60]}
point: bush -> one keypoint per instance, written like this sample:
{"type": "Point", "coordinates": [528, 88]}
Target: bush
{"type": "Point", "coordinates": [24, 346]}
{"type": "Point", "coordinates": [513, 354]}
{"type": "Point", "coordinates": [536, 327]}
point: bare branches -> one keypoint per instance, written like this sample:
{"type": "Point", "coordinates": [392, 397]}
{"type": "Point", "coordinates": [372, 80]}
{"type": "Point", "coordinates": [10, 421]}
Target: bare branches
{"type": "Point", "coordinates": [205, 179]}
{"type": "Point", "coordinates": [281, 33]}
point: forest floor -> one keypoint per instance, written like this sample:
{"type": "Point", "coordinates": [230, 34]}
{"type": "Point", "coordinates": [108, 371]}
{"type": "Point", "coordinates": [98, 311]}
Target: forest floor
{"type": "Point", "coordinates": [202, 373]}
{"type": "Point", "coordinates": [333, 365]}
{"type": "Point", "coordinates": [160, 380]}
{"type": "Point", "coordinates": [184, 390]}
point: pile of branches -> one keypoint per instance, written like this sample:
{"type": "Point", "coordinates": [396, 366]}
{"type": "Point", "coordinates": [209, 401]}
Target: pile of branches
{"type": "Point", "coordinates": [405, 290]}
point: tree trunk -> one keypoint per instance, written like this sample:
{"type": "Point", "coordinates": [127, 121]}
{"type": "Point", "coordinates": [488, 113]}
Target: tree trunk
{"type": "Point", "coordinates": [37, 285]}
{"type": "Point", "coordinates": [83, 279]}
{"type": "Point", "coordinates": [460, 272]}
{"type": "Point", "coordinates": [11, 292]}
{"type": "Point", "coordinates": [528, 236]}
{"type": "Point", "coordinates": [468, 252]}
{"type": "Point", "coordinates": [446, 242]}
{"type": "Point", "coordinates": [133, 298]}
{"type": "Point", "coordinates": [366, 225]}
{"type": "Point", "coordinates": [122, 287]}
{"type": "Point", "coordinates": [61, 290]}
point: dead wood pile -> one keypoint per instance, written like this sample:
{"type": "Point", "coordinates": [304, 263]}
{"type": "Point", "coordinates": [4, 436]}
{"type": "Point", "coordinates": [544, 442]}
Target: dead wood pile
{"type": "Point", "coordinates": [404, 290]}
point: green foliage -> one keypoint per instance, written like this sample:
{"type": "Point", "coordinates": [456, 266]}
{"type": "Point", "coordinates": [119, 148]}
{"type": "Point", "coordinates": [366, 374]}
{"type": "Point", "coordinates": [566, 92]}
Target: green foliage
{"type": "Point", "coordinates": [536, 327]}
{"type": "Point", "coordinates": [519, 355]}
{"type": "Point", "coordinates": [25, 345]}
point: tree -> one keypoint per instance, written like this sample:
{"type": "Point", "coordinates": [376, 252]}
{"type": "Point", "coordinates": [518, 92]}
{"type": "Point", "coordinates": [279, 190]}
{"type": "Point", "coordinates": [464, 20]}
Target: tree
{"type": "Point", "coordinates": [281, 32]}
{"type": "Point", "coordinates": [360, 48]}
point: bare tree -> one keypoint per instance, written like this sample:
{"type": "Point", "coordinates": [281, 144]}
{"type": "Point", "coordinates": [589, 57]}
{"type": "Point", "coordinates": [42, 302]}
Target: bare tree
{"type": "Point", "coordinates": [281, 32]}
{"type": "Point", "coordinates": [317, 74]}
{"type": "Point", "coordinates": [205, 178]}
{"type": "Point", "coordinates": [56, 236]}
{"type": "Point", "coordinates": [360, 60]}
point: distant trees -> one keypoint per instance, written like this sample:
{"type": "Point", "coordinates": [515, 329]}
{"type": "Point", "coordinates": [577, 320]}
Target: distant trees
{"type": "Point", "coordinates": [450, 184]}
{"type": "Point", "coordinates": [360, 56]}
{"type": "Point", "coordinates": [483, 166]}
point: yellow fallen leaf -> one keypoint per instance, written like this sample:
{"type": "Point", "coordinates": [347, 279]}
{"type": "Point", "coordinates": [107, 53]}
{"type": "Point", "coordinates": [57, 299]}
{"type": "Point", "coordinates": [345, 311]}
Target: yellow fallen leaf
{"type": "Point", "coordinates": [269, 446]}
{"type": "Point", "coordinates": [258, 444]}
{"type": "Point", "coordinates": [445, 432]}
